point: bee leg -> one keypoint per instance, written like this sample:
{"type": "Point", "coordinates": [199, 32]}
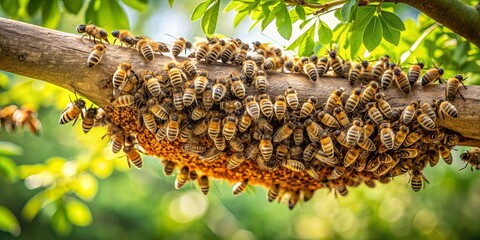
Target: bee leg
{"type": "Point", "coordinates": [461, 95]}
{"type": "Point", "coordinates": [75, 121]}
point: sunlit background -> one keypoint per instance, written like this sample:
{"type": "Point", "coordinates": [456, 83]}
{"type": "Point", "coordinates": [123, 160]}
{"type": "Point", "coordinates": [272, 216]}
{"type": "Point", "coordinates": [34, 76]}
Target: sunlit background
{"type": "Point", "coordinates": [64, 183]}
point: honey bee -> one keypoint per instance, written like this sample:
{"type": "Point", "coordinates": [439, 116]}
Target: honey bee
{"type": "Point", "coordinates": [124, 101]}
{"type": "Point", "coordinates": [220, 143]}
{"type": "Point", "coordinates": [284, 132]}
{"type": "Point", "coordinates": [327, 145]}
{"type": "Point", "coordinates": [200, 81]}
{"type": "Point", "coordinates": [260, 81]}
{"type": "Point", "coordinates": [237, 87]}
{"type": "Point", "coordinates": [123, 72]}
{"type": "Point", "coordinates": [148, 119]}
{"type": "Point", "coordinates": [387, 135]}
{"type": "Point", "coordinates": [145, 48]}
{"type": "Point", "coordinates": [341, 117]}
{"type": "Point", "coordinates": [250, 69]}
{"type": "Point", "coordinates": [188, 67]}
{"type": "Point", "coordinates": [374, 113]}
{"type": "Point", "coordinates": [413, 137]}
{"type": "Point", "coordinates": [402, 81]}
{"type": "Point", "coordinates": [400, 136]}
{"type": "Point", "coordinates": [347, 66]}
{"type": "Point", "coordinates": [341, 138]}
{"type": "Point", "coordinates": [351, 156]}
{"type": "Point", "coordinates": [228, 52]}
{"type": "Point", "coordinates": [313, 130]}
{"type": "Point", "coordinates": [179, 46]}
{"type": "Point", "coordinates": [152, 84]}
{"type": "Point", "coordinates": [409, 112]}
{"type": "Point", "coordinates": [298, 132]}
{"type": "Point", "coordinates": [369, 93]}
{"type": "Point", "coordinates": [308, 107]}
{"type": "Point", "coordinates": [342, 190]}
{"type": "Point", "coordinates": [353, 100]}
{"type": "Point", "coordinates": [182, 177]}
{"type": "Point", "coordinates": [417, 178]}
{"type": "Point", "coordinates": [415, 72]}
{"type": "Point", "coordinates": [201, 50]}
{"type": "Point", "coordinates": [117, 138]}
{"type": "Point", "coordinates": [25, 116]}
{"type": "Point", "coordinates": [453, 85]}
{"type": "Point", "coordinates": [337, 172]}
{"type": "Point", "coordinates": [281, 151]}
{"type": "Point", "coordinates": [214, 53]}
{"type": "Point", "coordinates": [335, 63]}
{"type": "Point", "coordinates": [432, 75]}
{"type": "Point", "coordinates": [96, 55]}
{"type": "Point", "coordinates": [198, 113]}
{"type": "Point", "coordinates": [168, 168]}
{"type": "Point", "coordinates": [383, 105]}
{"type": "Point", "coordinates": [195, 149]}
{"type": "Point", "coordinates": [133, 156]}
{"type": "Point", "coordinates": [252, 107]}
{"type": "Point", "coordinates": [424, 120]}
{"type": "Point", "coordinates": [292, 98]}
{"type": "Point", "coordinates": [229, 127]}
{"type": "Point", "coordinates": [214, 127]}
{"type": "Point", "coordinates": [367, 144]}
{"type": "Point", "coordinates": [91, 30]}
{"type": "Point", "coordinates": [124, 36]}
{"type": "Point", "coordinates": [185, 133]}
{"type": "Point", "coordinates": [368, 127]}
{"type": "Point", "coordinates": [235, 160]}
{"type": "Point", "coordinates": [211, 155]}
{"type": "Point", "coordinates": [89, 119]}
{"type": "Point", "coordinates": [241, 55]}
{"type": "Point", "coordinates": [274, 63]}
{"type": "Point", "coordinates": [176, 76]}
{"type": "Point", "coordinates": [178, 99]}
{"type": "Point", "coordinates": [266, 147]}
{"type": "Point", "coordinates": [379, 67]}
{"type": "Point", "coordinates": [354, 132]}
{"type": "Point", "coordinates": [237, 144]}
{"type": "Point", "coordinates": [445, 108]}
{"type": "Point", "coordinates": [335, 99]}
{"type": "Point", "coordinates": [446, 154]}
{"type": "Point", "coordinates": [310, 69]}
{"type": "Point", "coordinates": [428, 109]}
{"type": "Point", "coordinates": [294, 165]}
{"type": "Point", "coordinates": [387, 76]}
{"type": "Point", "coordinates": [259, 58]}
{"type": "Point", "coordinates": [219, 89]}
{"type": "Point", "coordinates": [173, 127]}
{"type": "Point", "coordinates": [189, 95]}
{"type": "Point", "coordinates": [354, 74]}
{"type": "Point", "coordinates": [327, 119]}
{"type": "Point", "coordinates": [472, 157]}
{"type": "Point", "coordinates": [245, 122]}
{"type": "Point", "coordinates": [367, 69]}
{"type": "Point", "coordinates": [266, 105]}
{"type": "Point", "coordinates": [273, 192]}
{"type": "Point", "coordinates": [240, 187]}
{"type": "Point", "coordinates": [204, 184]}
{"type": "Point", "coordinates": [72, 111]}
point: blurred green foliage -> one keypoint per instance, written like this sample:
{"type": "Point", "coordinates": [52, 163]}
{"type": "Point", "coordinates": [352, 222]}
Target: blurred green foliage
{"type": "Point", "coordinates": [65, 183]}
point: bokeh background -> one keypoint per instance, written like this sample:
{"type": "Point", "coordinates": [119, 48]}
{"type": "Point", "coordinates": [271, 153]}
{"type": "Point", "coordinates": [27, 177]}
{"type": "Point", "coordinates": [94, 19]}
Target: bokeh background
{"type": "Point", "coordinates": [65, 184]}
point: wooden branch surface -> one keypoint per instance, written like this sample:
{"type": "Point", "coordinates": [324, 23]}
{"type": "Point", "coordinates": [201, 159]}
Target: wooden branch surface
{"type": "Point", "coordinates": [60, 58]}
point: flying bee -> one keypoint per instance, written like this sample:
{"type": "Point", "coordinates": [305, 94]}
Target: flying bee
{"type": "Point", "coordinates": [413, 137]}
{"type": "Point", "coordinates": [200, 81]}
{"type": "Point", "coordinates": [308, 107]}
{"type": "Point", "coordinates": [228, 52]}
{"type": "Point", "coordinates": [298, 132]}
{"type": "Point", "coordinates": [89, 119]}
{"type": "Point", "coordinates": [445, 108]}
{"type": "Point", "coordinates": [424, 120]}
{"type": "Point", "coordinates": [260, 81]}
{"type": "Point", "coordinates": [240, 187]}
{"type": "Point", "coordinates": [182, 177]}
{"type": "Point", "coordinates": [417, 178]}
{"type": "Point", "coordinates": [341, 117]}
{"type": "Point", "coordinates": [402, 81]}
{"type": "Point", "coordinates": [124, 37]}
{"type": "Point", "coordinates": [432, 75]}
{"type": "Point", "coordinates": [415, 72]}
{"type": "Point", "coordinates": [180, 45]}
{"type": "Point", "coordinates": [327, 119]}
{"type": "Point", "coordinates": [335, 99]}
{"type": "Point", "coordinates": [145, 48]}
{"type": "Point", "coordinates": [347, 66]}
{"type": "Point", "coordinates": [355, 74]}
{"type": "Point", "coordinates": [387, 76]}
{"type": "Point", "coordinates": [72, 111]}
{"type": "Point", "coordinates": [353, 100]}
{"type": "Point", "coordinates": [133, 156]}
{"type": "Point", "coordinates": [95, 55]}
{"type": "Point", "coordinates": [250, 69]}
{"type": "Point", "coordinates": [354, 132]}
{"type": "Point", "coordinates": [472, 157]}
{"type": "Point", "coordinates": [284, 132]}
{"type": "Point", "coordinates": [173, 128]}
{"type": "Point", "coordinates": [266, 105]}
{"type": "Point", "coordinates": [91, 30]}
{"type": "Point", "coordinates": [387, 135]}
{"type": "Point", "coordinates": [252, 107]}
{"type": "Point", "coordinates": [229, 127]}
{"type": "Point", "coordinates": [369, 93]}
{"type": "Point", "coordinates": [313, 130]}
{"type": "Point", "coordinates": [235, 160]}
{"type": "Point", "coordinates": [273, 192]}
{"type": "Point", "coordinates": [374, 113]}
{"type": "Point", "coordinates": [335, 63]}
{"type": "Point", "coordinates": [400, 136]}
{"type": "Point", "coordinates": [409, 112]}
{"type": "Point", "coordinates": [219, 89]}
{"type": "Point", "coordinates": [351, 156]}
{"type": "Point", "coordinates": [237, 87]}
{"type": "Point", "coordinates": [266, 147]}
{"type": "Point", "coordinates": [379, 67]}
{"type": "Point", "coordinates": [453, 85]}
{"type": "Point", "coordinates": [446, 154]}
{"type": "Point", "coordinates": [214, 53]}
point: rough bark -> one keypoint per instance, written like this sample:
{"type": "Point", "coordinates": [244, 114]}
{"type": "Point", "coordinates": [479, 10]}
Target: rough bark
{"type": "Point", "coordinates": [60, 58]}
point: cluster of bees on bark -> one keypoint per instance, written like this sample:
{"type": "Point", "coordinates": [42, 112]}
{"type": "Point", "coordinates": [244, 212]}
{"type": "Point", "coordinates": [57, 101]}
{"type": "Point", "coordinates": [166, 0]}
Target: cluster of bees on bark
{"type": "Point", "coordinates": [353, 137]}
{"type": "Point", "coordinates": [13, 117]}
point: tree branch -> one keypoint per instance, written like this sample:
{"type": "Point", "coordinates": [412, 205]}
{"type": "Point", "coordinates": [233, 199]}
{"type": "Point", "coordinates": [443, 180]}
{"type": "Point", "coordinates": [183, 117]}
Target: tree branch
{"type": "Point", "coordinates": [60, 58]}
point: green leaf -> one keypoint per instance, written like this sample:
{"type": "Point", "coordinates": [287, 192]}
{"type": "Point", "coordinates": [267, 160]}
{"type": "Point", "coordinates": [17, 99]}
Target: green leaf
{"type": "Point", "coordinates": [73, 6]}
{"type": "Point", "coordinates": [139, 5]}
{"type": "Point", "coordinates": [390, 34]}
{"type": "Point", "coordinates": [10, 7]}
{"type": "Point", "coordinates": [338, 14]}
{"type": "Point", "coordinates": [393, 20]}
{"type": "Point", "coordinates": [249, 7]}
{"type": "Point", "coordinates": [238, 18]}
{"type": "Point", "coordinates": [78, 213]}
{"type": "Point", "coordinates": [32, 207]}
{"type": "Point", "coordinates": [34, 6]}
{"type": "Point", "coordinates": [111, 14]}
{"type": "Point", "coordinates": [325, 34]}
{"type": "Point", "coordinates": [8, 222]}
{"type": "Point", "coordinates": [10, 149]}
{"type": "Point", "coordinates": [364, 16]}
{"type": "Point", "coordinates": [284, 24]}
{"type": "Point", "coordinates": [302, 25]}
{"type": "Point", "coordinates": [271, 16]}
{"type": "Point", "coordinates": [210, 18]}
{"type": "Point", "coordinates": [373, 34]}
{"type": "Point", "coordinates": [51, 14]}
{"type": "Point", "coordinates": [91, 13]}
{"type": "Point", "coordinates": [230, 6]}
{"type": "Point", "coordinates": [8, 169]}
{"type": "Point", "coordinates": [199, 11]}
{"type": "Point", "coordinates": [355, 40]}
{"type": "Point", "coordinates": [346, 8]}
{"type": "Point", "coordinates": [300, 12]}
{"type": "Point", "coordinates": [253, 25]}
{"type": "Point", "coordinates": [170, 2]}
